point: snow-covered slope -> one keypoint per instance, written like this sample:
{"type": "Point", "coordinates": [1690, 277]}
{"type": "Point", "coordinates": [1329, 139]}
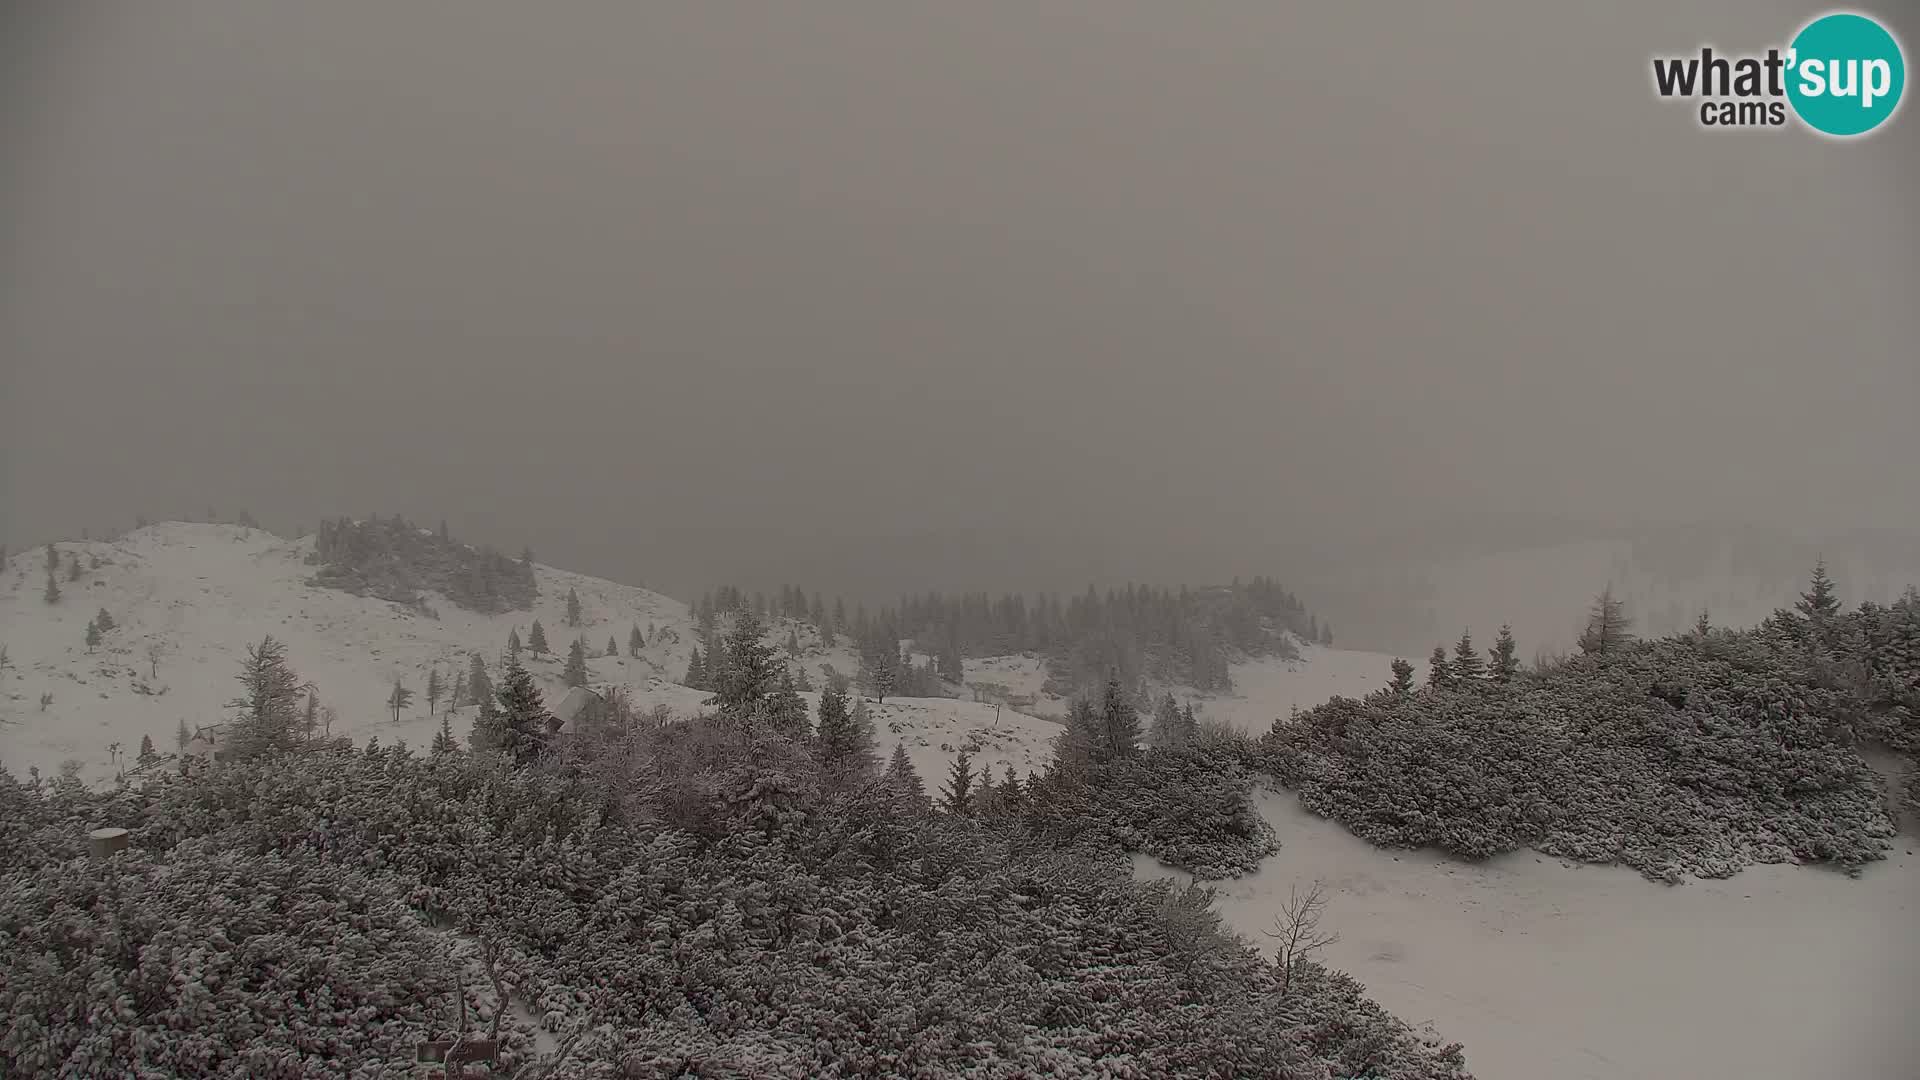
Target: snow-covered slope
{"type": "Point", "coordinates": [1269, 688]}
{"type": "Point", "coordinates": [202, 594]}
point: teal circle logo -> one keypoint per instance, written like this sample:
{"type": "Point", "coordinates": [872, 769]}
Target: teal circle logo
{"type": "Point", "coordinates": [1846, 74]}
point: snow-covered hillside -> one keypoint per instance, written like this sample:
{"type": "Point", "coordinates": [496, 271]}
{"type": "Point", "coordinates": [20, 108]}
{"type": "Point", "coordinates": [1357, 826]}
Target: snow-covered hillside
{"type": "Point", "coordinates": [201, 594]}
{"type": "Point", "coordinates": [188, 599]}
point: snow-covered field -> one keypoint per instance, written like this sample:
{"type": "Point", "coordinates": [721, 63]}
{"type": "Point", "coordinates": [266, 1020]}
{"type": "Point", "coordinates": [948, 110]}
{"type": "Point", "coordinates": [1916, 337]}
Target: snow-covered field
{"type": "Point", "coordinates": [1561, 972]}
{"type": "Point", "coordinates": [204, 593]}
{"type": "Point", "coordinates": [1269, 688]}
{"type": "Point", "coordinates": [1019, 676]}
{"type": "Point", "coordinates": [1264, 690]}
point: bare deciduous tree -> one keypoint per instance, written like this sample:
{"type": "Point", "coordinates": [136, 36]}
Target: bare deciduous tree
{"type": "Point", "coordinates": [1297, 929]}
{"type": "Point", "coordinates": [155, 650]}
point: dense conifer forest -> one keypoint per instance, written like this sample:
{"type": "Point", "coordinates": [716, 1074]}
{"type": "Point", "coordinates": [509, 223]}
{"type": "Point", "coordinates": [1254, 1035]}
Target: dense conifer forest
{"type": "Point", "coordinates": [395, 560]}
{"type": "Point", "coordinates": [1144, 634]}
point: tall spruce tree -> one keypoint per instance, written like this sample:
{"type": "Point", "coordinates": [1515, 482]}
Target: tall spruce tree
{"type": "Point", "coordinates": [861, 756]}
{"type": "Point", "coordinates": [573, 608]}
{"type": "Point", "coordinates": [479, 686]}
{"type": "Point", "coordinates": [844, 739]}
{"type": "Point", "coordinates": [1506, 660]}
{"type": "Point", "coordinates": [1119, 720]}
{"type": "Point", "coordinates": [537, 639]}
{"type": "Point", "coordinates": [696, 676]}
{"type": "Point", "coordinates": [434, 689]}
{"type": "Point", "coordinates": [52, 592]}
{"type": "Point", "coordinates": [1080, 743]}
{"type": "Point", "coordinates": [1467, 664]}
{"type": "Point", "coordinates": [1166, 724]}
{"type": "Point", "coordinates": [786, 709]}
{"type": "Point", "coordinates": [879, 664]}
{"type": "Point", "coordinates": [986, 801]}
{"type": "Point", "coordinates": [1402, 685]}
{"type": "Point", "coordinates": [268, 708]}
{"type": "Point", "coordinates": [748, 676]}
{"type": "Point", "coordinates": [513, 645]}
{"type": "Point", "coordinates": [1439, 672]}
{"type": "Point", "coordinates": [635, 642]}
{"type": "Point", "coordinates": [903, 780]}
{"type": "Point", "coordinates": [613, 648]}
{"type": "Point", "coordinates": [93, 635]}
{"type": "Point", "coordinates": [830, 724]}
{"type": "Point", "coordinates": [443, 739]}
{"type": "Point", "coordinates": [488, 730]}
{"type": "Point", "coordinates": [1011, 792]}
{"type": "Point", "coordinates": [524, 724]}
{"type": "Point", "coordinates": [1821, 600]}
{"type": "Point", "coordinates": [104, 621]}
{"type": "Point", "coordinates": [576, 670]}
{"type": "Point", "coordinates": [956, 797]}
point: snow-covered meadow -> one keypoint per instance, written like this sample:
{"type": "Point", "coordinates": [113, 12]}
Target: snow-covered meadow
{"type": "Point", "coordinates": [198, 595]}
{"type": "Point", "coordinates": [1555, 971]}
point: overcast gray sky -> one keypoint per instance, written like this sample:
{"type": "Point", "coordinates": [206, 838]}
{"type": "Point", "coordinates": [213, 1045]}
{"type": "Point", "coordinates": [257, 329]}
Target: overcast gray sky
{"type": "Point", "coordinates": [692, 291]}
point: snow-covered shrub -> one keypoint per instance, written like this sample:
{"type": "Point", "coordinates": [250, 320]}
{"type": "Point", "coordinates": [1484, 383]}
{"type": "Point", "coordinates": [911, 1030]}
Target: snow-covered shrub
{"type": "Point", "coordinates": [1688, 755]}
{"type": "Point", "coordinates": [1190, 808]}
{"type": "Point", "coordinates": [272, 916]}
{"type": "Point", "coordinates": [208, 962]}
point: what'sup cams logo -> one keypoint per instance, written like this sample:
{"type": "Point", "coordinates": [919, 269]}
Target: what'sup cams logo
{"type": "Point", "coordinates": [1842, 75]}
